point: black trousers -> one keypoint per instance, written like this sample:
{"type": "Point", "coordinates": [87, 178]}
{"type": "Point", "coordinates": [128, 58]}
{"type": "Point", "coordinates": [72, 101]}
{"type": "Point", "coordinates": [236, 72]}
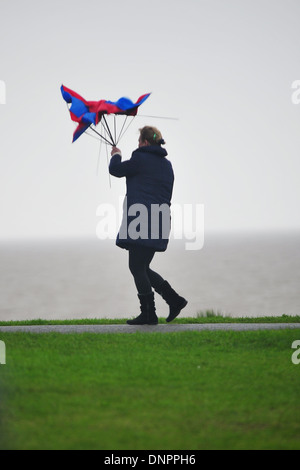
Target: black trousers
{"type": "Point", "coordinates": [139, 264]}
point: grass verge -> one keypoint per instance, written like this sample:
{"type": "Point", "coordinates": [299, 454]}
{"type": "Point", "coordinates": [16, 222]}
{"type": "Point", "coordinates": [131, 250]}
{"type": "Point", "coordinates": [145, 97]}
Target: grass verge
{"type": "Point", "coordinates": [187, 390]}
{"type": "Point", "coordinates": [202, 317]}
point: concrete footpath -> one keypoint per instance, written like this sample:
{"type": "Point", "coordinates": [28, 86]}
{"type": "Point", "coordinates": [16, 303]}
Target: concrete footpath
{"type": "Point", "coordinates": [161, 328]}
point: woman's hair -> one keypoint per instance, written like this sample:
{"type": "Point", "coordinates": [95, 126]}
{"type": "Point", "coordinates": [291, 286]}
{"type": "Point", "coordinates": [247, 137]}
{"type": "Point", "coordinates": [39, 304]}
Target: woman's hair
{"type": "Point", "coordinates": [152, 135]}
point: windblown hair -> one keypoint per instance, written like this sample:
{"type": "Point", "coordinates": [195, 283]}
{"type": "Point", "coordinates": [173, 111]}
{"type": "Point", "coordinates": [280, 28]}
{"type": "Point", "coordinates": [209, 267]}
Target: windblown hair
{"type": "Point", "coordinates": [152, 135]}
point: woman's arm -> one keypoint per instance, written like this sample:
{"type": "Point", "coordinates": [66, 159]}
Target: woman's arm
{"type": "Point", "coordinates": [118, 168]}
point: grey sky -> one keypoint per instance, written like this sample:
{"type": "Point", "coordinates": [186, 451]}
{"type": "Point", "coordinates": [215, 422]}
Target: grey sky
{"type": "Point", "coordinates": [224, 68]}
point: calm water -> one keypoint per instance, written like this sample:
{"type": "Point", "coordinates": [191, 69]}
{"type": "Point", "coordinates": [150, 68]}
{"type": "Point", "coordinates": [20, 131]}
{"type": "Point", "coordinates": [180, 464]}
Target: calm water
{"type": "Point", "coordinates": [238, 275]}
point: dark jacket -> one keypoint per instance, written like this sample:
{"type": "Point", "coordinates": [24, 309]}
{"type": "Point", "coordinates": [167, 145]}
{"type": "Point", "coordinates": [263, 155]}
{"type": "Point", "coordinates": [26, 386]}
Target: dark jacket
{"type": "Point", "coordinates": [149, 181]}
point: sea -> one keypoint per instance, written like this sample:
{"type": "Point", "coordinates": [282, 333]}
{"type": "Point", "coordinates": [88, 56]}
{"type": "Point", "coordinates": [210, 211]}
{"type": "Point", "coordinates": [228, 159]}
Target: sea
{"type": "Point", "coordinates": [245, 275]}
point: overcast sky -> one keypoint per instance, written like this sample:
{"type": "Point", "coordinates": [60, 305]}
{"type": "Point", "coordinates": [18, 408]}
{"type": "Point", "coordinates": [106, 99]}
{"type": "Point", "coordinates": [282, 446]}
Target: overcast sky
{"type": "Point", "coordinates": [225, 68]}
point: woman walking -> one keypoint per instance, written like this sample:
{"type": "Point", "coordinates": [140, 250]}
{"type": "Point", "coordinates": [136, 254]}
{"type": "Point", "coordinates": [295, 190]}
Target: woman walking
{"type": "Point", "coordinates": [149, 180]}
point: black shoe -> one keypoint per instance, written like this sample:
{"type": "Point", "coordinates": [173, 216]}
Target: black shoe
{"type": "Point", "coordinates": [175, 302]}
{"type": "Point", "coordinates": [148, 313]}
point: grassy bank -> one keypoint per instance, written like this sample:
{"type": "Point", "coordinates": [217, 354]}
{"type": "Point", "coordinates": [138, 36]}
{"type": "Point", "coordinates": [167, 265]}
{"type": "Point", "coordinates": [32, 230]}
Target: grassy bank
{"type": "Point", "coordinates": [205, 317]}
{"type": "Point", "coordinates": [188, 390]}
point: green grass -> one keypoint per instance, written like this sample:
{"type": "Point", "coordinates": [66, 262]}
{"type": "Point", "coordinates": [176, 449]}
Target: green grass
{"type": "Point", "coordinates": [187, 390]}
{"type": "Point", "coordinates": [201, 317]}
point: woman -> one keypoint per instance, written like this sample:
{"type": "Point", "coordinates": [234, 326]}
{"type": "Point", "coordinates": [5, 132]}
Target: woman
{"type": "Point", "coordinates": [149, 180]}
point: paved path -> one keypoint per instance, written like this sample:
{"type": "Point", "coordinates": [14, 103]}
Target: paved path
{"type": "Point", "coordinates": [162, 328]}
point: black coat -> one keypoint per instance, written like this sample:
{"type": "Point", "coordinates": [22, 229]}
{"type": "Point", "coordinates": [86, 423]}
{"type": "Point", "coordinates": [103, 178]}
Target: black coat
{"type": "Point", "coordinates": [149, 180]}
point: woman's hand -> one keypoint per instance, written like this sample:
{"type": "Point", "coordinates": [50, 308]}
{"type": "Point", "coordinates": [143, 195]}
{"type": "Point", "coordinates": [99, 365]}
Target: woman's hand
{"type": "Point", "coordinates": [115, 150]}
